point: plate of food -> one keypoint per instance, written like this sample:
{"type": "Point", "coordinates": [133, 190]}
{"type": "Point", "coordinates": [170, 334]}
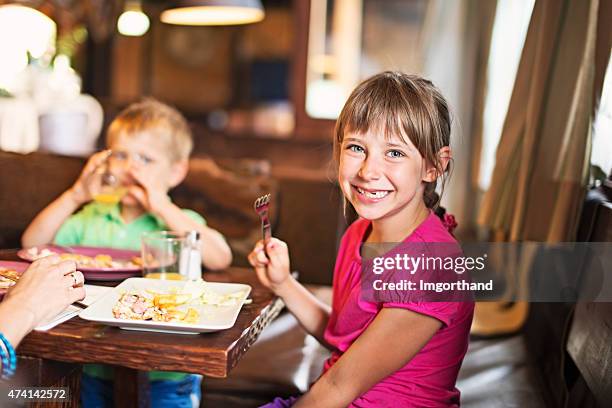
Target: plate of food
{"type": "Point", "coordinates": [184, 307]}
{"type": "Point", "coordinates": [9, 273]}
{"type": "Point", "coordinates": [95, 263]}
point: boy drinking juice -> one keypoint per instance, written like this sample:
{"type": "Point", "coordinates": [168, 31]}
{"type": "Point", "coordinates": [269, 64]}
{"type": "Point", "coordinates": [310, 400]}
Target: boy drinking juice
{"type": "Point", "coordinates": [123, 192]}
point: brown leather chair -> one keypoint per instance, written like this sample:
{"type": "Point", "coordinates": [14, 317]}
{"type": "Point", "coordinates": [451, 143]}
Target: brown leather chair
{"type": "Point", "coordinates": [28, 183]}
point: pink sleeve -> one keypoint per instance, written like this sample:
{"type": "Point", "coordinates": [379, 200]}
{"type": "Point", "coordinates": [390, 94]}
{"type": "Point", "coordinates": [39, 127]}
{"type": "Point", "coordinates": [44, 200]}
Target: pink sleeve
{"type": "Point", "coordinates": [446, 312]}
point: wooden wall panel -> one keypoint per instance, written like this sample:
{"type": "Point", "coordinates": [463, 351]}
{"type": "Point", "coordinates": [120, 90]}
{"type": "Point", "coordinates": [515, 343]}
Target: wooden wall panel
{"type": "Point", "coordinates": [191, 66]}
{"type": "Point", "coordinates": [127, 69]}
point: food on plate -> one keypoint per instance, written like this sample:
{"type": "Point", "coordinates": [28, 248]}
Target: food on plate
{"type": "Point", "coordinates": [173, 305]}
{"type": "Point", "coordinates": [210, 297]}
{"type": "Point", "coordinates": [7, 277]}
{"type": "Point", "coordinates": [84, 261]}
{"type": "Point", "coordinates": [202, 293]}
{"type": "Point", "coordinates": [153, 306]}
{"type": "Point", "coordinates": [137, 261]}
{"type": "Point", "coordinates": [35, 253]}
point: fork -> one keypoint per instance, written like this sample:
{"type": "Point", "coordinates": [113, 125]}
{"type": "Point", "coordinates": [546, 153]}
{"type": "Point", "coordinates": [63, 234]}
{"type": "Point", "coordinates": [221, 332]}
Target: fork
{"type": "Point", "coordinates": [262, 204]}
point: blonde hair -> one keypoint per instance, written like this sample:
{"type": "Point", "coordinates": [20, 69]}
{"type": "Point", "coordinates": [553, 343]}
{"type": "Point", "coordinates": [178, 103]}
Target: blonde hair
{"type": "Point", "coordinates": [403, 105]}
{"type": "Point", "coordinates": [160, 121]}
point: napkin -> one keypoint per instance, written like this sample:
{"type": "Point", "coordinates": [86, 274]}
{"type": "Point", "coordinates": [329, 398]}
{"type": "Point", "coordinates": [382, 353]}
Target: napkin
{"type": "Point", "coordinates": [92, 293]}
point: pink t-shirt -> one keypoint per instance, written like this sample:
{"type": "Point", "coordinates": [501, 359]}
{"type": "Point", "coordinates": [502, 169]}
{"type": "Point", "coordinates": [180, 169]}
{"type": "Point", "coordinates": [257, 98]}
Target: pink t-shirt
{"type": "Point", "coordinates": [428, 380]}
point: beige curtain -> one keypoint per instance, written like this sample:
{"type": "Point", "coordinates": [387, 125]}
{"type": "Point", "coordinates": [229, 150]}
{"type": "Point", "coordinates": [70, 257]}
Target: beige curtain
{"type": "Point", "coordinates": [539, 179]}
{"type": "Point", "coordinates": [486, 17]}
{"type": "Point", "coordinates": [456, 40]}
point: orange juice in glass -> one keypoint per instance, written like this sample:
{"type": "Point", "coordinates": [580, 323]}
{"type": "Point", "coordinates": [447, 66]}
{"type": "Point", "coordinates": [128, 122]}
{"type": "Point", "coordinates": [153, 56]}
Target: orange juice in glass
{"type": "Point", "coordinates": [161, 255]}
{"type": "Point", "coordinates": [110, 196]}
{"type": "Point", "coordinates": [112, 188]}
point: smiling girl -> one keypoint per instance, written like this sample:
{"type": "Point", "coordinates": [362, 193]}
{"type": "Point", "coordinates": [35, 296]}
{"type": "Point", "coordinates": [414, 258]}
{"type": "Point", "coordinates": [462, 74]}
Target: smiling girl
{"type": "Point", "coordinates": [392, 146]}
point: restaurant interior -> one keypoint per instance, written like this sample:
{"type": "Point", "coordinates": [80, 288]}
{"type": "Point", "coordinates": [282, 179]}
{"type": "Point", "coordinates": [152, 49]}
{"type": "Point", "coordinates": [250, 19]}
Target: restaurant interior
{"type": "Point", "coordinates": [529, 84]}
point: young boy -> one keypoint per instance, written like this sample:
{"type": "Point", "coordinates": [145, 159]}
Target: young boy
{"type": "Point", "coordinates": [149, 145]}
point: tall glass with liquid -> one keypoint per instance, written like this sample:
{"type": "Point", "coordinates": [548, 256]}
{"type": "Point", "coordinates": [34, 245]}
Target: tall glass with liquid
{"type": "Point", "coordinates": [161, 255]}
{"type": "Point", "coordinates": [111, 189]}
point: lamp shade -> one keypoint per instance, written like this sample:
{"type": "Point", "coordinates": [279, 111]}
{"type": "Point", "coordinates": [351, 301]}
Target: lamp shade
{"type": "Point", "coordinates": [213, 12]}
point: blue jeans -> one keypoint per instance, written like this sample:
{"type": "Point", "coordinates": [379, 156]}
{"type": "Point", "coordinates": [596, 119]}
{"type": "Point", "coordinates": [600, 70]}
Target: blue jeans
{"type": "Point", "coordinates": [186, 393]}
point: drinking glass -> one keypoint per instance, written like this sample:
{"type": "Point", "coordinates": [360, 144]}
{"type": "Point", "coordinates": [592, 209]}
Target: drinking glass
{"type": "Point", "coordinates": [161, 255]}
{"type": "Point", "coordinates": [112, 188]}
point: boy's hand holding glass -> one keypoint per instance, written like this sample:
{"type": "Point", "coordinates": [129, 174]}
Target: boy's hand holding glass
{"type": "Point", "coordinates": [272, 270]}
{"type": "Point", "coordinates": [89, 183]}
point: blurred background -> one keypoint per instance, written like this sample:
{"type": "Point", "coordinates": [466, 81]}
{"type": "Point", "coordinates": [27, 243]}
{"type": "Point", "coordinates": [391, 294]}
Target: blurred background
{"type": "Point", "coordinates": [529, 83]}
{"type": "Point", "coordinates": [270, 87]}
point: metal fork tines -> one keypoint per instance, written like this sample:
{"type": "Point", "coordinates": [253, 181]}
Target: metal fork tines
{"type": "Point", "coordinates": [262, 204]}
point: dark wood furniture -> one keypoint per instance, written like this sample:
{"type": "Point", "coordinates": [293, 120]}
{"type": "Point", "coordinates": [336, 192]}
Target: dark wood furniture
{"type": "Point", "coordinates": [588, 369]}
{"type": "Point", "coordinates": [132, 352]}
{"type": "Point", "coordinates": [590, 349]}
{"type": "Point", "coordinates": [570, 342]}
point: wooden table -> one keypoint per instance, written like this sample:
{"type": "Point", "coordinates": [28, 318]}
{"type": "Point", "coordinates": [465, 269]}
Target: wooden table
{"type": "Point", "coordinates": [132, 352]}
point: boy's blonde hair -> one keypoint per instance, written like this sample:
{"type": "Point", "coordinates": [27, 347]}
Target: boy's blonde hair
{"type": "Point", "coordinates": [160, 121]}
{"type": "Point", "coordinates": [404, 105]}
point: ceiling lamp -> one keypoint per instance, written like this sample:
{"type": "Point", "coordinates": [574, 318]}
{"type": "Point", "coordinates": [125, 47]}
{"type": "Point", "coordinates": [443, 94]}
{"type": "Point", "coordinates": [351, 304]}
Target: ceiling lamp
{"type": "Point", "coordinates": [133, 22]}
{"type": "Point", "coordinates": [214, 12]}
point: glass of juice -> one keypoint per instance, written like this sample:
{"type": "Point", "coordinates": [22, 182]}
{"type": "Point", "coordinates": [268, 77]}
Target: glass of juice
{"type": "Point", "coordinates": [161, 255]}
{"type": "Point", "coordinates": [110, 195]}
{"type": "Point", "coordinates": [112, 189]}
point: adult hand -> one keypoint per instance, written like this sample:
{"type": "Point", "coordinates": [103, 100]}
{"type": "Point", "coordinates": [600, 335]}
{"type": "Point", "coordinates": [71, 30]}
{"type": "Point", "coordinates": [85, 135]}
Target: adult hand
{"type": "Point", "coordinates": [46, 288]}
{"type": "Point", "coordinates": [273, 269]}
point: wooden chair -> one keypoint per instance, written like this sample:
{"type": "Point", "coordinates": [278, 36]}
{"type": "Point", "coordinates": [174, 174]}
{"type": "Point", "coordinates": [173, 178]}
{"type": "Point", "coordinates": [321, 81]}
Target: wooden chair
{"type": "Point", "coordinates": [588, 369]}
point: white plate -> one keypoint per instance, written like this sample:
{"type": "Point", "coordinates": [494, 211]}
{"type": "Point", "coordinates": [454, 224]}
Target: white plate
{"type": "Point", "coordinates": [212, 318]}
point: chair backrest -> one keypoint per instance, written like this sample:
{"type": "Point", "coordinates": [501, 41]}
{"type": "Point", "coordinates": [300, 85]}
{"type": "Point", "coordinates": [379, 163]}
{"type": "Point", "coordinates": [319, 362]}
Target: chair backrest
{"type": "Point", "coordinates": [589, 342]}
{"type": "Point", "coordinates": [27, 184]}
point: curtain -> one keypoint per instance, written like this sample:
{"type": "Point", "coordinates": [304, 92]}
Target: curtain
{"type": "Point", "coordinates": [487, 19]}
{"type": "Point", "coordinates": [456, 39]}
{"type": "Point", "coordinates": [540, 174]}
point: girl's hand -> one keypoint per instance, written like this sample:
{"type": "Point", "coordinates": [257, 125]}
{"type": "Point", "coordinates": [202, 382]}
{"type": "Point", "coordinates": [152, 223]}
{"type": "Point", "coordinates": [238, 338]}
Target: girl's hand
{"type": "Point", "coordinates": [273, 269]}
{"type": "Point", "coordinates": [89, 182]}
{"type": "Point", "coordinates": [149, 192]}
{"type": "Point", "coordinates": [47, 287]}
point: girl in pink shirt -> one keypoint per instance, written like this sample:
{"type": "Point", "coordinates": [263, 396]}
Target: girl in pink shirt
{"type": "Point", "coordinates": [392, 145]}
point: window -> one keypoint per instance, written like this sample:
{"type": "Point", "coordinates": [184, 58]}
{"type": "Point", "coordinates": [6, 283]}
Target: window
{"type": "Point", "coordinates": [601, 150]}
{"type": "Point", "coordinates": [509, 32]}
{"type": "Point", "coordinates": [350, 40]}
